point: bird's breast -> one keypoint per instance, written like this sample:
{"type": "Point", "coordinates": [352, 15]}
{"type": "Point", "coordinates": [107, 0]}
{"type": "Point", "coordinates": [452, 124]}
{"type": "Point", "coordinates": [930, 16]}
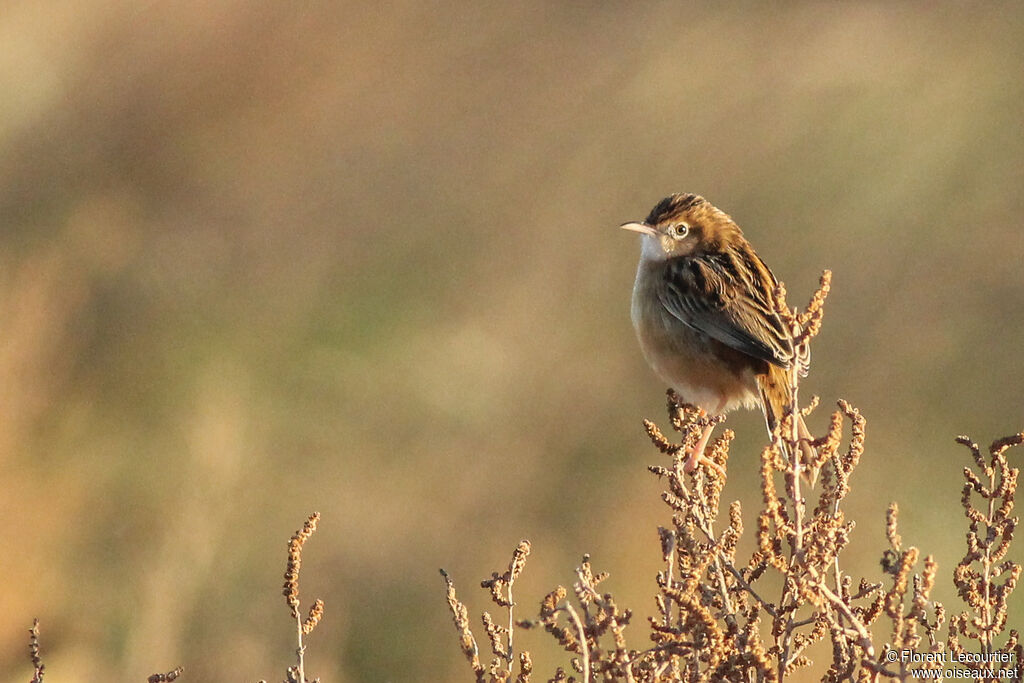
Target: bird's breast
{"type": "Point", "coordinates": [702, 370]}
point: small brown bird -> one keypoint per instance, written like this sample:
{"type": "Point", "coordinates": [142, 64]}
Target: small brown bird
{"type": "Point", "coordinates": [703, 312]}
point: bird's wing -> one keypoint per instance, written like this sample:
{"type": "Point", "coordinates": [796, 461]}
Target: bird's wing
{"type": "Point", "coordinates": [728, 298]}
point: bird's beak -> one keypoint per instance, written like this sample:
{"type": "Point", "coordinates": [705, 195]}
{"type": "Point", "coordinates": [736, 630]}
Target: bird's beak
{"type": "Point", "coordinates": [641, 228]}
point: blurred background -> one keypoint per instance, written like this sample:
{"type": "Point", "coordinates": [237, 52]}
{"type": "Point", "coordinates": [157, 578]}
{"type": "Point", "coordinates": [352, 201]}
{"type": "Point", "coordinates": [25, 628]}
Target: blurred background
{"type": "Point", "coordinates": [261, 259]}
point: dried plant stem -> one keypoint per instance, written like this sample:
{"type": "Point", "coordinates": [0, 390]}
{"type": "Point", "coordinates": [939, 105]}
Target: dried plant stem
{"type": "Point", "coordinates": [785, 639]}
{"type": "Point", "coordinates": [300, 651]}
{"type": "Point", "coordinates": [765, 605]}
{"type": "Point", "coordinates": [670, 558]}
{"type": "Point", "coordinates": [724, 563]}
{"type": "Point", "coordinates": [986, 564]}
{"type": "Point", "coordinates": [863, 635]}
{"type": "Point", "coordinates": [799, 509]}
{"type": "Point", "coordinates": [584, 647]}
{"type": "Point", "coordinates": [511, 624]}
{"type": "Point", "coordinates": [707, 528]}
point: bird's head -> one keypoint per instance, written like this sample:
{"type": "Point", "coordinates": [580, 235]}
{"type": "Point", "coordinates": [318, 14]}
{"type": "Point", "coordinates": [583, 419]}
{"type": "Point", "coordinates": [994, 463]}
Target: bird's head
{"type": "Point", "coordinates": [682, 224]}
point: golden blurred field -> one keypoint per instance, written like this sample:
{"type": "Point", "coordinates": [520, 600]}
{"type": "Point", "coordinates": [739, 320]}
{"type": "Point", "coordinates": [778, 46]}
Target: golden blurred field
{"type": "Point", "coordinates": [260, 259]}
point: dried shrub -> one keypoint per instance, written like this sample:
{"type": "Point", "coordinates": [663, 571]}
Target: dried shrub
{"type": "Point", "coordinates": [715, 620]}
{"type": "Point", "coordinates": [500, 637]}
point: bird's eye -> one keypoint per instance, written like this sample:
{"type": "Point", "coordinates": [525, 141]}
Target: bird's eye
{"type": "Point", "coordinates": [679, 230]}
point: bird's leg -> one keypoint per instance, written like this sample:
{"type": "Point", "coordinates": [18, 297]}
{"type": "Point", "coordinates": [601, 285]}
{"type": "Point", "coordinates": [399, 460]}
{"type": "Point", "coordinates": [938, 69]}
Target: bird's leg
{"type": "Point", "coordinates": [696, 454]}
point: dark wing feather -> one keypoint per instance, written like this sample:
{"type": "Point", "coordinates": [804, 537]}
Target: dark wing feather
{"type": "Point", "coordinates": [728, 298]}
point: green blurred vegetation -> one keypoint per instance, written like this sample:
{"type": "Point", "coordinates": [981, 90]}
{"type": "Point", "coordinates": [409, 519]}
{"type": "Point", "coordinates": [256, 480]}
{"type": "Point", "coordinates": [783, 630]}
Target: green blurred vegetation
{"type": "Point", "coordinates": [264, 259]}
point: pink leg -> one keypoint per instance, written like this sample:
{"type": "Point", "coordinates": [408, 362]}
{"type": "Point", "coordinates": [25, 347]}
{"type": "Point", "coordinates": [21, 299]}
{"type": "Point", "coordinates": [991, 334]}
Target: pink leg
{"type": "Point", "coordinates": [697, 453]}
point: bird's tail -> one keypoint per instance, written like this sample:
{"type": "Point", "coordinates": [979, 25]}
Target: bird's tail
{"type": "Point", "coordinates": [774, 388]}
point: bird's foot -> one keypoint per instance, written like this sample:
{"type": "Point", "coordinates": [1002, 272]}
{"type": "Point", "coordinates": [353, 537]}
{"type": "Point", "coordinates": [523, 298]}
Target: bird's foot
{"type": "Point", "coordinates": [696, 456]}
{"type": "Point", "coordinates": [696, 459]}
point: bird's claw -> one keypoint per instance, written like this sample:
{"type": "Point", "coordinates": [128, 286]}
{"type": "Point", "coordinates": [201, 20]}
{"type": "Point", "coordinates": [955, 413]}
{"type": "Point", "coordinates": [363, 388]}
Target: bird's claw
{"type": "Point", "coordinates": [697, 458]}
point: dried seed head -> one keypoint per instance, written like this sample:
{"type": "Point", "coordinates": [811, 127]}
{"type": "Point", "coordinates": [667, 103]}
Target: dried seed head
{"type": "Point", "coordinates": [316, 613]}
{"type": "Point", "coordinates": [169, 676]}
{"type": "Point", "coordinates": [291, 574]}
{"type": "Point", "coordinates": [891, 519]}
{"type": "Point", "coordinates": [460, 615]}
{"type": "Point", "coordinates": [33, 650]}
